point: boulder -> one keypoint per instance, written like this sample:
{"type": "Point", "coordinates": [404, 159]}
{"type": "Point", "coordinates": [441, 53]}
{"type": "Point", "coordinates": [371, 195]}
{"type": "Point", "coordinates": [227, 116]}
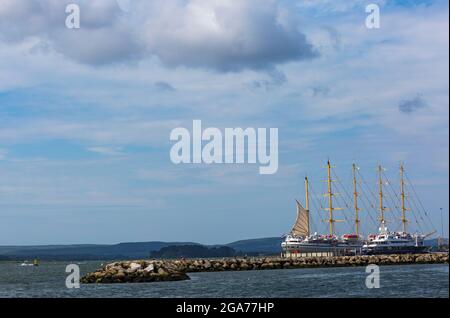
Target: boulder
{"type": "Point", "coordinates": [149, 268]}
{"type": "Point", "coordinates": [244, 266]}
{"type": "Point", "coordinates": [162, 272]}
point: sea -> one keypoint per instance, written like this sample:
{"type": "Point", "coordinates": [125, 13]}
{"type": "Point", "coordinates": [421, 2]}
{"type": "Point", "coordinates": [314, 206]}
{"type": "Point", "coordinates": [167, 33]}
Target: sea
{"type": "Point", "coordinates": [404, 281]}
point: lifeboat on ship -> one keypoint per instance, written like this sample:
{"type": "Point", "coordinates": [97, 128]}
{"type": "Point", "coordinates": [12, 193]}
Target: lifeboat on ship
{"type": "Point", "coordinates": [350, 237]}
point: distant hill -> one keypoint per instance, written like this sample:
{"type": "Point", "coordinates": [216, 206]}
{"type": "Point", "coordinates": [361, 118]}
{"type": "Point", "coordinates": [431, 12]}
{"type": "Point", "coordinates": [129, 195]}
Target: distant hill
{"type": "Point", "coordinates": [268, 245]}
{"type": "Point", "coordinates": [193, 251]}
{"type": "Point", "coordinates": [436, 245]}
{"type": "Point", "coordinates": [435, 242]}
{"type": "Point", "coordinates": [86, 252]}
{"type": "Point", "coordinates": [137, 250]}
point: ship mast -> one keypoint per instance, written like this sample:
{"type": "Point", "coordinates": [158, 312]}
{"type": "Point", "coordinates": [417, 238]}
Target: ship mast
{"type": "Point", "coordinates": [307, 202]}
{"type": "Point", "coordinates": [355, 200]}
{"type": "Point", "coordinates": [330, 195]}
{"type": "Point", "coordinates": [382, 207]}
{"type": "Point", "coordinates": [330, 199]}
{"type": "Point", "coordinates": [402, 197]}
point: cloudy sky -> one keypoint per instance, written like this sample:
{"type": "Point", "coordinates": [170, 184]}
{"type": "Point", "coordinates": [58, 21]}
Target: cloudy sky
{"type": "Point", "coordinates": [86, 114]}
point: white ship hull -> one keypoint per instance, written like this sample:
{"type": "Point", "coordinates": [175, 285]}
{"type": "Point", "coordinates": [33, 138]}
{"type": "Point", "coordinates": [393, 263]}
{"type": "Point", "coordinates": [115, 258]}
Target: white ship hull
{"type": "Point", "coordinates": [393, 246]}
{"type": "Point", "coordinates": [395, 243]}
{"type": "Point", "coordinates": [312, 247]}
{"type": "Point", "coordinates": [407, 249]}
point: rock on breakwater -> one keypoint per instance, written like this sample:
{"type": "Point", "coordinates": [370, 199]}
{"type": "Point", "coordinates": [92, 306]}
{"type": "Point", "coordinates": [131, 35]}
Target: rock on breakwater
{"type": "Point", "coordinates": [135, 272]}
{"type": "Point", "coordinates": [171, 270]}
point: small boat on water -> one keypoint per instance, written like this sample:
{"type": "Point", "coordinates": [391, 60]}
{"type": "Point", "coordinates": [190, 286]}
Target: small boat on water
{"type": "Point", "coordinates": [26, 263]}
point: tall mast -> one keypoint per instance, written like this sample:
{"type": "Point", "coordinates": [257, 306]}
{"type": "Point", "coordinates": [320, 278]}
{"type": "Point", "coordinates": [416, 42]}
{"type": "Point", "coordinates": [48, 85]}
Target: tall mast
{"type": "Point", "coordinates": [330, 199]}
{"type": "Point", "coordinates": [402, 197]}
{"type": "Point", "coordinates": [355, 200]}
{"type": "Point", "coordinates": [382, 207]}
{"type": "Point", "coordinates": [307, 201]}
{"type": "Point", "coordinates": [330, 194]}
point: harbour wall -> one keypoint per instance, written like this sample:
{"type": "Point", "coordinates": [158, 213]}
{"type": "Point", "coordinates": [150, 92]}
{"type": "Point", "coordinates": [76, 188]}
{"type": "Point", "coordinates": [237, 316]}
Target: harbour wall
{"type": "Point", "coordinates": [173, 270]}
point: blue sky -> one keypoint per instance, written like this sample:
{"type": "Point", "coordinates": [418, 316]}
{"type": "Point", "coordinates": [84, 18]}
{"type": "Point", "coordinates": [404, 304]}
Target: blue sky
{"type": "Point", "coordinates": [85, 115]}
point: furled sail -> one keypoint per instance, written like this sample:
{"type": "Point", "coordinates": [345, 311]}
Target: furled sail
{"type": "Point", "coordinates": [301, 226]}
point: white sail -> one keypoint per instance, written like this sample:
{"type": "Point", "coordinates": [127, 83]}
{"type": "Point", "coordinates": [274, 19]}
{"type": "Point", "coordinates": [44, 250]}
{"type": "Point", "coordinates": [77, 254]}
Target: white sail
{"type": "Point", "coordinates": [301, 226]}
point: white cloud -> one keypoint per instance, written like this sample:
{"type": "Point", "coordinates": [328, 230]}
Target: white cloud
{"type": "Point", "coordinates": [230, 35]}
{"type": "Point", "coordinates": [223, 36]}
{"type": "Point", "coordinates": [107, 151]}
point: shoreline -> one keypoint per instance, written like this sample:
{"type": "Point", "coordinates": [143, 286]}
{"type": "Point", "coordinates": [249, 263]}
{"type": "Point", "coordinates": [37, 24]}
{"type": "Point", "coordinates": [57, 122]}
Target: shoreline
{"type": "Point", "coordinates": [174, 270]}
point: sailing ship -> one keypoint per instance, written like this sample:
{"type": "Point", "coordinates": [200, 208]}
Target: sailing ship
{"type": "Point", "coordinates": [402, 242]}
{"type": "Point", "coordinates": [301, 241]}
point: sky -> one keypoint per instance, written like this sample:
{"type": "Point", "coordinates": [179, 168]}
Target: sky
{"type": "Point", "coordinates": [86, 114]}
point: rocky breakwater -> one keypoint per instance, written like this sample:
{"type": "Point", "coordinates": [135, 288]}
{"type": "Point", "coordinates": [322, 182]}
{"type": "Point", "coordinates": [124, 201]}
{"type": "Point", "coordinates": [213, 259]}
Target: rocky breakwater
{"type": "Point", "coordinates": [135, 272]}
{"type": "Point", "coordinates": [243, 264]}
{"type": "Point", "coordinates": [166, 270]}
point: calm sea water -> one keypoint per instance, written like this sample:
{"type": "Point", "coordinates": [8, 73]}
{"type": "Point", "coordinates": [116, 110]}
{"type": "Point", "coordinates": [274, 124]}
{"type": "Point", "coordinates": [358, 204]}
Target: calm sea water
{"type": "Point", "coordinates": [48, 280]}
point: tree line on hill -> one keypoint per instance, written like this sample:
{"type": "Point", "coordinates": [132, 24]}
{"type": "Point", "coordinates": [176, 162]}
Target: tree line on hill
{"type": "Point", "coordinates": [194, 251]}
